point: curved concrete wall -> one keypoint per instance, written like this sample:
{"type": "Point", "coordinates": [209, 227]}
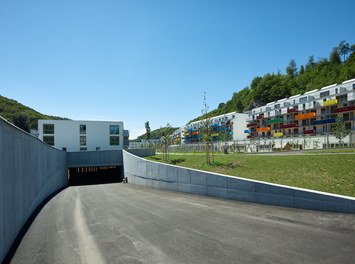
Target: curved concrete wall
{"type": "Point", "coordinates": [30, 171]}
{"type": "Point", "coordinates": [162, 176]}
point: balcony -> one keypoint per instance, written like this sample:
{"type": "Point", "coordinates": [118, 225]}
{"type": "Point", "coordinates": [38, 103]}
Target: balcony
{"type": "Point", "coordinates": [263, 129]}
{"type": "Point", "coordinates": [344, 109]}
{"type": "Point", "coordinates": [305, 116]}
{"type": "Point", "coordinates": [309, 132]}
{"type": "Point", "coordinates": [276, 120]}
{"type": "Point", "coordinates": [330, 102]}
{"type": "Point", "coordinates": [252, 124]}
{"type": "Point", "coordinates": [259, 117]}
{"type": "Point", "coordinates": [288, 126]}
{"type": "Point", "coordinates": [278, 134]}
{"type": "Point", "coordinates": [324, 121]}
{"type": "Point", "coordinates": [292, 110]}
{"type": "Point", "coordinates": [247, 131]}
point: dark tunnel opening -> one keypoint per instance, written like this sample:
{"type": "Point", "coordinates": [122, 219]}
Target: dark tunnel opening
{"type": "Point", "coordinates": [95, 175]}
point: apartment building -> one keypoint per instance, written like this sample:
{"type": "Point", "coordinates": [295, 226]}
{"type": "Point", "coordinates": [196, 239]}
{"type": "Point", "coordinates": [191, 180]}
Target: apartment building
{"type": "Point", "coordinates": [313, 113]}
{"type": "Point", "coordinates": [228, 127]}
{"type": "Point", "coordinates": [69, 135]}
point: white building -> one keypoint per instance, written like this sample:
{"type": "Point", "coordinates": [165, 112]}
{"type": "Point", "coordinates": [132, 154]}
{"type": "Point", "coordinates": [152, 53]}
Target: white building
{"type": "Point", "coordinates": [69, 135]}
{"type": "Point", "coordinates": [307, 120]}
{"type": "Point", "coordinates": [233, 123]}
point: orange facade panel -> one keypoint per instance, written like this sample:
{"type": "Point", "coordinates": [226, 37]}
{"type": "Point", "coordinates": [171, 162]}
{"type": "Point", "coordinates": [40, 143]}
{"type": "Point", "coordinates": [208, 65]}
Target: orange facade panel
{"type": "Point", "coordinates": [305, 116]}
{"type": "Point", "coordinates": [263, 129]}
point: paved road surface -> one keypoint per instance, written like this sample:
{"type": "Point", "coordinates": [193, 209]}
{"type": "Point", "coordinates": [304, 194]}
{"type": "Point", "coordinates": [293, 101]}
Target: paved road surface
{"type": "Point", "coordinates": [121, 223]}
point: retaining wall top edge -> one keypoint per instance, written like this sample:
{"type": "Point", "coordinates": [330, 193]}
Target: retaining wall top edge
{"type": "Point", "coordinates": [254, 181]}
{"type": "Point", "coordinates": [6, 122]}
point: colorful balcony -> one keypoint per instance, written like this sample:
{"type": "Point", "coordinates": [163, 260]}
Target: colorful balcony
{"type": "Point", "coordinates": [252, 124]}
{"type": "Point", "coordinates": [292, 110]}
{"type": "Point", "coordinates": [274, 121]}
{"type": "Point", "coordinates": [305, 116]}
{"type": "Point", "coordinates": [324, 121]}
{"type": "Point", "coordinates": [288, 126]}
{"type": "Point", "coordinates": [278, 134]}
{"type": "Point", "coordinates": [330, 102]}
{"type": "Point", "coordinates": [259, 117]}
{"type": "Point", "coordinates": [247, 131]}
{"type": "Point", "coordinates": [344, 109]}
{"type": "Point", "coordinates": [309, 132]}
{"type": "Point", "coordinates": [263, 129]}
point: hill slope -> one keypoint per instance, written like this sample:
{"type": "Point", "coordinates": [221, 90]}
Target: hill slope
{"type": "Point", "coordinates": [21, 115]}
{"type": "Point", "coordinates": [276, 86]}
{"type": "Point", "coordinates": [157, 133]}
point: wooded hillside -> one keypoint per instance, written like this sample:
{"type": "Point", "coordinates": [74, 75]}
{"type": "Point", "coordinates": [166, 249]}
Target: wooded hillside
{"type": "Point", "coordinates": [20, 115]}
{"type": "Point", "coordinates": [338, 67]}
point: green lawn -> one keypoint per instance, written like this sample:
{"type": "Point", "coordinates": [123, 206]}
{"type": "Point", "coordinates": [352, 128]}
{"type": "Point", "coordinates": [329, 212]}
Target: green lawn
{"type": "Point", "coordinates": [327, 173]}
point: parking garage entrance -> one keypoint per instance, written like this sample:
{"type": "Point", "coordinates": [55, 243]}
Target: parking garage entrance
{"type": "Point", "coordinates": [95, 175]}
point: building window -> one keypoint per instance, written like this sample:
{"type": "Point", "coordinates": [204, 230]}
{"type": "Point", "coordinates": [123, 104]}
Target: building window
{"type": "Point", "coordinates": [114, 130]}
{"type": "Point", "coordinates": [64, 149]}
{"type": "Point", "coordinates": [82, 140]}
{"type": "Point", "coordinates": [49, 140]}
{"type": "Point", "coordinates": [48, 128]}
{"type": "Point", "coordinates": [336, 90]}
{"type": "Point", "coordinates": [277, 106]}
{"type": "Point", "coordinates": [324, 94]}
{"type": "Point", "coordinates": [83, 149]}
{"type": "Point", "coordinates": [303, 99]}
{"type": "Point", "coordinates": [97, 148]}
{"type": "Point", "coordinates": [82, 129]}
{"type": "Point", "coordinates": [353, 86]}
{"type": "Point", "coordinates": [114, 140]}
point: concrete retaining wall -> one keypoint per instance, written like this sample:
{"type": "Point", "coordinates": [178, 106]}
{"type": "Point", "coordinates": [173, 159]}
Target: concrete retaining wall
{"type": "Point", "coordinates": [142, 152]}
{"type": "Point", "coordinates": [162, 176]}
{"type": "Point", "coordinates": [30, 171]}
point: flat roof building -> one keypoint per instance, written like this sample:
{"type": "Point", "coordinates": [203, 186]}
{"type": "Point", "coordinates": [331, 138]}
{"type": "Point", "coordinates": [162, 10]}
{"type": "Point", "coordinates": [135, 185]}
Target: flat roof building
{"type": "Point", "coordinates": [313, 113]}
{"type": "Point", "coordinates": [70, 135]}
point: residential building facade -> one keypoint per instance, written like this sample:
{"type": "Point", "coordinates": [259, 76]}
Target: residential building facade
{"type": "Point", "coordinates": [69, 135]}
{"type": "Point", "coordinates": [226, 127]}
{"type": "Point", "coordinates": [312, 114]}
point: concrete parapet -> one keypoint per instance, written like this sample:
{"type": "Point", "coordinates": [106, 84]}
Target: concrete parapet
{"type": "Point", "coordinates": [163, 176]}
{"type": "Point", "coordinates": [142, 152]}
{"type": "Point", "coordinates": [30, 171]}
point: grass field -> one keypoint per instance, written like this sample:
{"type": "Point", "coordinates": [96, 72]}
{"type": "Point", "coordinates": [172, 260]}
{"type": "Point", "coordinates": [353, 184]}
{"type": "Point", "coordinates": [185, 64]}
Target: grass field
{"type": "Point", "coordinates": [327, 173]}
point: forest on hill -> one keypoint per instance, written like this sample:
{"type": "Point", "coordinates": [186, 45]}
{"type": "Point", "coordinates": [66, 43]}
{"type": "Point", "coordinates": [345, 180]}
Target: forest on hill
{"type": "Point", "coordinates": [338, 67]}
{"type": "Point", "coordinates": [157, 133]}
{"type": "Point", "coordinates": [22, 116]}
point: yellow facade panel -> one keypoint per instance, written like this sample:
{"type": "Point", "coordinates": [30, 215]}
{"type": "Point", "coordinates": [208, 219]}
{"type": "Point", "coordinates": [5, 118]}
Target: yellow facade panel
{"type": "Point", "coordinates": [330, 102]}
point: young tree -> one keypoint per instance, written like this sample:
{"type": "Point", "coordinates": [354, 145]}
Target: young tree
{"type": "Point", "coordinates": [205, 130]}
{"type": "Point", "coordinates": [147, 130]}
{"type": "Point", "coordinates": [166, 138]}
{"type": "Point", "coordinates": [340, 130]}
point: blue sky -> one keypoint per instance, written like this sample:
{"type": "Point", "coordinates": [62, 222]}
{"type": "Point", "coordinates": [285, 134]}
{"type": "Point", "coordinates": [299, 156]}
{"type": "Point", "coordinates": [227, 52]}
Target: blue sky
{"type": "Point", "coordinates": [139, 61]}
